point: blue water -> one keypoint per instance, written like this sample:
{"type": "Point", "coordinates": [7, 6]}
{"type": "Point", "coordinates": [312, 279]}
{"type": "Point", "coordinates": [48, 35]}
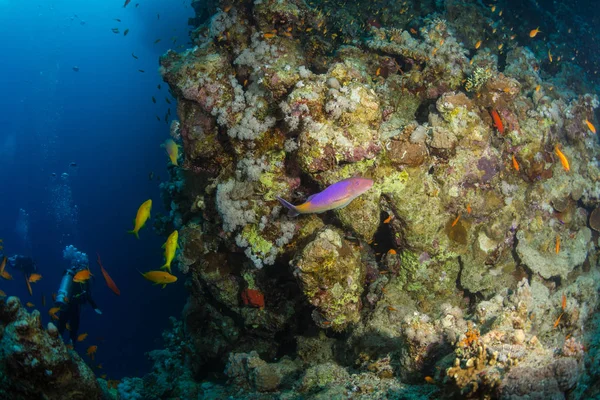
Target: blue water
{"type": "Point", "coordinates": [101, 118]}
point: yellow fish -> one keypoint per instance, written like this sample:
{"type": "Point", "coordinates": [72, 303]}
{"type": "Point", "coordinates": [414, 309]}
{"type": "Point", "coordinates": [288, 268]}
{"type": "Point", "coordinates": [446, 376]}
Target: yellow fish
{"type": "Point", "coordinates": [29, 304]}
{"type": "Point", "coordinates": [170, 247]}
{"type": "Point", "coordinates": [143, 215]}
{"type": "Point", "coordinates": [172, 150]}
{"type": "Point", "coordinates": [159, 277]}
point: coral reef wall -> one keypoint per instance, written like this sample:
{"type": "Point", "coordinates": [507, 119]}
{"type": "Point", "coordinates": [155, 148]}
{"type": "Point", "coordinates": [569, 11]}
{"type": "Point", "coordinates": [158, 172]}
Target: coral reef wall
{"type": "Point", "coordinates": [470, 267]}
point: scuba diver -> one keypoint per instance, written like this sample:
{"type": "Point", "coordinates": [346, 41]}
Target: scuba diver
{"type": "Point", "coordinates": [23, 263]}
{"type": "Point", "coordinates": [71, 296]}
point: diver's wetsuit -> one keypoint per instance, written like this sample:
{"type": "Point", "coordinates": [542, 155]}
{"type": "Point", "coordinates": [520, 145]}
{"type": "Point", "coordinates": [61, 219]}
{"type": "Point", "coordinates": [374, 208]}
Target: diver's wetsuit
{"type": "Point", "coordinates": [70, 312]}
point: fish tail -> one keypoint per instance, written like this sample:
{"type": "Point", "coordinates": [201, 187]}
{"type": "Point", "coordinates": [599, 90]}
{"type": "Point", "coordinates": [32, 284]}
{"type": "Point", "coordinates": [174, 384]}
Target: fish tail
{"type": "Point", "coordinates": [293, 211]}
{"type": "Point", "coordinates": [134, 232]}
{"type": "Point", "coordinates": [166, 267]}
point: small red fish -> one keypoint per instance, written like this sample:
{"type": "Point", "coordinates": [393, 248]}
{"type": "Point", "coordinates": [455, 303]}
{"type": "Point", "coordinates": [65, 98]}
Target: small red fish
{"type": "Point", "coordinates": [109, 282]}
{"type": "Point", "coordinates": [126, 2]}
{"type": "Point", "coordinates": [497, 121]}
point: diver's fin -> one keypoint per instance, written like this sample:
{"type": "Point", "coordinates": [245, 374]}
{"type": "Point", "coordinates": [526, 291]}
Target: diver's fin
{"type": "Point", "coordinates": [292, 208]}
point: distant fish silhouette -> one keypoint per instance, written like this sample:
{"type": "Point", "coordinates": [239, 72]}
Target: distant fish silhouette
{"type": "Point", "coordinates": [127, 2]}
{"type": "Point", "coordinates": [76, 68]}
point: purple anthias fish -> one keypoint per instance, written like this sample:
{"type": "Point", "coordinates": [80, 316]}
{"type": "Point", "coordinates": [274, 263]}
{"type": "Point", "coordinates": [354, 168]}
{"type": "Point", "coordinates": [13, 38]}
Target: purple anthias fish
{"type": "Point", "coordinates": [338, 195]}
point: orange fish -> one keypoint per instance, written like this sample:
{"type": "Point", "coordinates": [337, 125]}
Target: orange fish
{"type": "Point", "coordinates": [28, 286]}
{"type": "Point", "coordinates": [469, 209]}
{"type": "Point", "coordinates": [478, 44]}
{"type": "Point", "coordinates": [562, 158]}
{"type": "Point", "coordinates": [392, 251]}
{"type": "Point", "coordinates": [515, 163]}
{"type": "Point", "coordinates": [378, 71]}
{"type": "Point", "coordinates": [564, 302]}
{"type": "Point", "coordinates": [429, 380]}
{"type": "Point", "coordinates": [268, 35]}
{"type": "Point", "coordinates": [29, 304]}
{"type": "Point", "coordinates": [91, 351]}
{"type": "Point", "coordinates": [497, 121]}
{"type": "Point", "coordinates": [590, 126]}
{"type": "Point", "coordinates": [109, 282]}
{"type": "Point", "coordinates": [534, 32]}
{"type": "Point", "coordinates": [387, 220]}
{"type": "Point", "coordinates": [33, 278]}
{"type": "Point", "coordinates": [82, 337]}
{"type": "Point", "coordinates": [3, 265]}
{"type": "Point", "coordinates": [557, 244]}
{"type": "Point", "coordinates": [82, 276]}
{"type": "Point", "coordinates": [558, 320]}
{"type": "Point", "coordinates": [456, 221]}
{"type": "Point", "coordinates": [6, 275]}
{"type": "Point", "coordinates": [52, 312]}
{"type": "Point", "coordinates": [413, 31]}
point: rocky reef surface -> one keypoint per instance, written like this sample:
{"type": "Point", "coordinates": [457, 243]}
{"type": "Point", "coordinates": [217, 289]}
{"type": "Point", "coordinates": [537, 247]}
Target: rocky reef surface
{"type": "Point", "coordinates": [36, 364]}
{"type": "Point", "coordinates": [469, 270]}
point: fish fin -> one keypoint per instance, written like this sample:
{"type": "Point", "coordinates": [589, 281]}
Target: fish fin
{"type": "Point", "coordinates": [163, 246]}
{"type": "Point", "coordinates": [292, 208]}
{"type": "Point", "coordinates": [134, 233]}
{"type": "Point", "coordinates": [166, 267]}
{"type": "Point", "coordinates": [164, 285]}
{"type": "Point", "coordinates": [309, 198]}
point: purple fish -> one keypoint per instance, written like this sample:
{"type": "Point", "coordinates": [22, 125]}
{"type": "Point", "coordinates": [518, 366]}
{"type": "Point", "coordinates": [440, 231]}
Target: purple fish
{"type": "Point", "coordinates": [338, 195]}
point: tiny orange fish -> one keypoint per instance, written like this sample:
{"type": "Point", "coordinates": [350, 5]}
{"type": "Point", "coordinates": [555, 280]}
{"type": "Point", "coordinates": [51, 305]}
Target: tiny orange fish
{"type": "Point", "coordinates": [52, 312]}
{"type": "Point", "coordinates": [378, 71]}
{"type": "Point", "coordinates": [562, 158]}
{"type": "Point", "coordinates": [497, 121]}
{"type": "Point", "coordinates": [469, 209]}
{"type": "Point", "coordinates": [6, 275]}
{"type": "Point", "coordinates": [538, 87]}
{"type": "Point", "coordinates": [390, 308]}
{"type": "Point", "coordinates": [429, 380]}
{"type": "Point", "coordinates": [387, 220]}
{"type": "Point", "coordinates": [28, 286]}
{"type": "Point", "coordinates": [590, 126]}
{"type": "Point", "coordinates": [2, 294]}
{"type": "Point", "coordinates": [91, 351]}
{"type": "Point", "coordinates": [564, 302]}
{"type": "Point", "coordinates": [33, 278]}
{"type": "Point", "coordinates": [82, 276]}
{"type": "Point", "coordinates": [391, 252]}
{"type": "Point", "coordinates": [478, 44]}
{"type": "Point", "coordinates": [534, 32]}
{"type": "Point", "coordinates": [268, 35]}
{"type": "Point", "coordinates": [557, 244]}
{"type": "Point", "coordinates": [456, 221]}
{"type": "Point", "coordinates": [515, 163]}
{"type": "Point", "coordinates": [3, 265]}
{"type": "Point", "coordinates": [558, 320]}
{"type": "Point", "coordinates": [29, 304]}
{"type": "Point", "coordinates": [82, 337]}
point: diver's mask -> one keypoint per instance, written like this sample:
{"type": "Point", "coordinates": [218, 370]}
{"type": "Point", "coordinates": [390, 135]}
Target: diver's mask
{"type": "Point", "coordinates": [66, 284]}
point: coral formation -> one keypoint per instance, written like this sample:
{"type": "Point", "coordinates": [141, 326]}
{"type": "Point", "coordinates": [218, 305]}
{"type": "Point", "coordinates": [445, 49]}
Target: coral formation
{"type": "Point", "coordinates": [35, 363]}
{"type": "Point", "coordinates": [469, 269]}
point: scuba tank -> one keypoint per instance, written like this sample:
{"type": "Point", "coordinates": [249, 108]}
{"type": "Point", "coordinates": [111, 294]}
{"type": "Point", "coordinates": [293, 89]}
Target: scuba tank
{"type": "Point", "coordinates": [64, 290]}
